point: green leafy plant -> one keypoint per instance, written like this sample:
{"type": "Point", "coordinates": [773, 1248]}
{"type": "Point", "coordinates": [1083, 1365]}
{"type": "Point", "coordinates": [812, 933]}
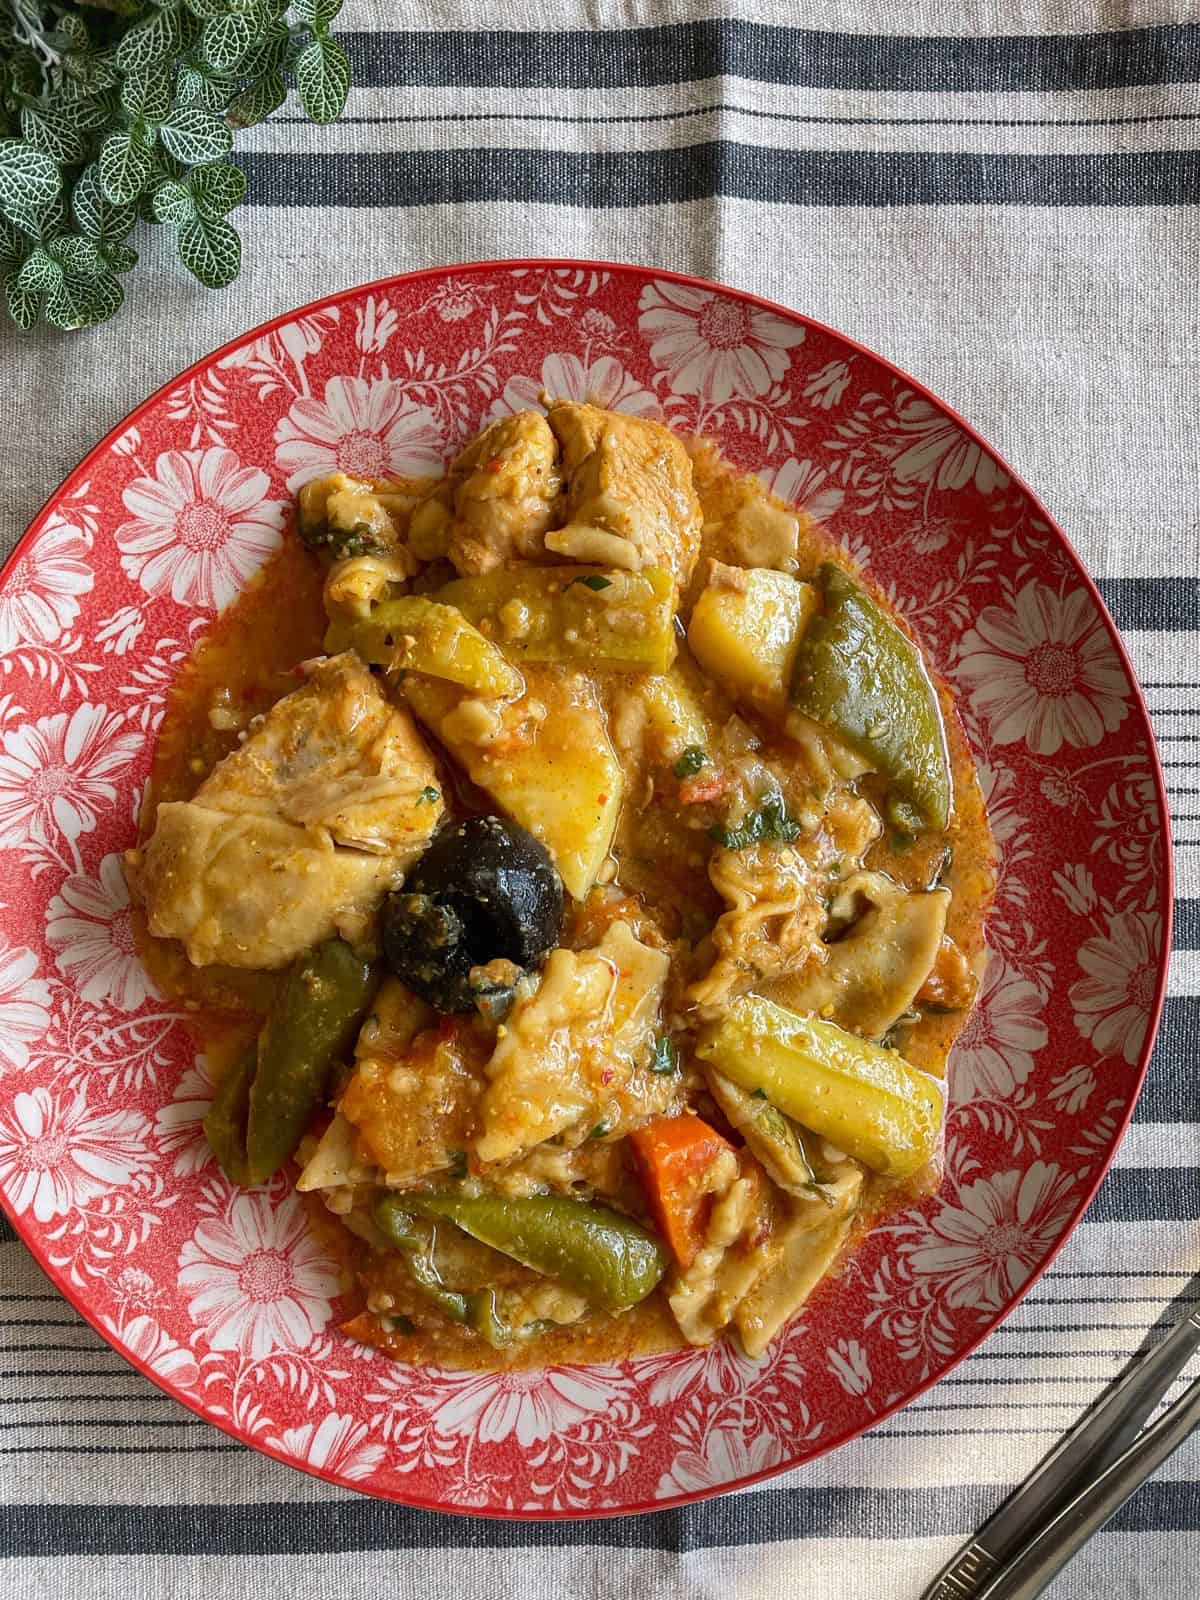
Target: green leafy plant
{"type": "Point", "coordinates": [119, 111]}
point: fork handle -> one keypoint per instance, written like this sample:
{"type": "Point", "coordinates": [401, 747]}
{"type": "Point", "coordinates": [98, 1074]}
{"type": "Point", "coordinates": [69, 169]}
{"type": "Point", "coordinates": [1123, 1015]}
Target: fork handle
{"type": "Point", "coordinates": [1028, 1573]}
{"type": "Point", "coordinates": [964, 1576]}
{"type": "Point", "coordinates": [1098, 1439]}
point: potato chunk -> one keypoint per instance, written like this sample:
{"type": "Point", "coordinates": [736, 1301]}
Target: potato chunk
{"type": "Point", "coordinates": [545, 759]}
{"type": "Point", "coordinates": [745, 629]}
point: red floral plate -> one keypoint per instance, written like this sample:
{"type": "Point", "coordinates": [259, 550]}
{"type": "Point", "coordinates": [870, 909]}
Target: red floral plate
{"type": "Point", "coordinates": [220, 1295]}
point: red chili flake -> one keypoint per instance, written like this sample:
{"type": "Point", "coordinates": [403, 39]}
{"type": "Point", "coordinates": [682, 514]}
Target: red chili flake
{"type": "Point", "coordinates": [601, 799]}
{"type": "Point", "coordinates": [607, 1076]}
{"type": "Point", "coordinates": [496, 464]}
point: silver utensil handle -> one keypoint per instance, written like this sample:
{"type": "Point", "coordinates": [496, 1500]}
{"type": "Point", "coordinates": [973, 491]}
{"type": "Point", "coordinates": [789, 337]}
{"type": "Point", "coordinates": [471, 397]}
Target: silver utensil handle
{"type": "Point", "coordinates": [1028, 1573]}
{"type": "Point", "coordinates": [1097, 1439]}
{"type": "Point", "coordinates": [964, 1576]}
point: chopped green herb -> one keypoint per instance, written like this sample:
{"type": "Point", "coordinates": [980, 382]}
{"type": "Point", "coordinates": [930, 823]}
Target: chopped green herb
{"type": "Point", "coordinates": [593, 581]}
{"type": "Point", "coordinates": [429, 795]}
{"type": "Point", "coordinates": [600, 1130]}
{"type": "Point", "coordinates": [458, 1165]}
{"type": "Point", "coordinates": [758, 1094]}
{"type": "Point", "coordinates": [903, 841]}
{"type": "Point", "coordinates": [397, 1323]}
{"type": "Point", "coordinates": [664, 1057]}
{"type": "Point", "coordinates": [690, 762]}
{"type": "Point", "coordinates": [771, 823]}
{"type": "Point", "coordinates": [340, 542]}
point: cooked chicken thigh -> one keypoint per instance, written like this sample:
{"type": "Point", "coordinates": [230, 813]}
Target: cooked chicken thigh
{"type": "Point", "coordinates": [630, 497]}
{"type": "Point", "coordinates": [300, 832]}
{"type": "Point", "coordinates": [500, 496]}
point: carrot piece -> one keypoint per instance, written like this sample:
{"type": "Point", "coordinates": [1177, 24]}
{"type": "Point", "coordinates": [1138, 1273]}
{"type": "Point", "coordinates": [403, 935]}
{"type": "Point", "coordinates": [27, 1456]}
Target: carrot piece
{"type": "Point", "coordinates": [674, 1154]}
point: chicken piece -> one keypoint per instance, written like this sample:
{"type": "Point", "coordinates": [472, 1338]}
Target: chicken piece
{"type": "Point", "coordinates": [575, 1050]}
{"type": "Point", "coordinates": [631, 501]}
{"type": "Point", "coordinates": [335, 755]}
{"type": "Point", "coordinates": [773, 925]}
{"type": "Point", "coordinates": [500, 496]}
{"type": "Point", "coordinates": [297, 834]}
{"type": "Point", "coordinates": [248, 891]}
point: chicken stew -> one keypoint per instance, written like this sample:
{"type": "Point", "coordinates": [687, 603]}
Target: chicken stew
{"type": "Point", "coordinates": [580, 876]}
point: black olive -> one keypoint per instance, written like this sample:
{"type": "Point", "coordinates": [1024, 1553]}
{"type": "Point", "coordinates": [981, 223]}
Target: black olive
{"type": "Point", "coordinates": [485, 889]}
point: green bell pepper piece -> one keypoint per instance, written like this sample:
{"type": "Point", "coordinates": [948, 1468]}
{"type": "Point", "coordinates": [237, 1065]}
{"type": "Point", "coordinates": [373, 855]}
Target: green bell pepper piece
{"type": "Point", "coordinates": [862, 676]}
{"type": "Point", "coordinates": [312, 1025]}
{"type": "Point", "coordinates": [225, 1124]}
{"type": "Point", "coordinates": [609, 1259]}
{"type": "Point", "coordinates": [476, 1310]}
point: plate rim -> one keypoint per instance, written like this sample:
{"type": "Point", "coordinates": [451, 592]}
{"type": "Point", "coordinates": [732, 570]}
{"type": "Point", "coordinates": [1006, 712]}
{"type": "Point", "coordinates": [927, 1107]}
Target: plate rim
{"type": "Point", "coordinates": [1166, 892]}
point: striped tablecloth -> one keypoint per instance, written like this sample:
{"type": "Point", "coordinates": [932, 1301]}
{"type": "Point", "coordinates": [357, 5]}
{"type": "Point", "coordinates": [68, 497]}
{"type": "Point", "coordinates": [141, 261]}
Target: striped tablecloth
{"type": "Point", "coordinates": [1008, 211]}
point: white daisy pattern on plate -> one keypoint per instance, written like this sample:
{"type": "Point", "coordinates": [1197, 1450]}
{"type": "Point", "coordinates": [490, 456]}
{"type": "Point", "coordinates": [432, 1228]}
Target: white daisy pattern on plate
{"type": "Point", "coordinates": [565, 377]}
{"type": "Point", "coordinates": [24, 1003]}
{"type": "Point", "coordinates": [256, 1280]}
{"type": "Point", "coordinates": [337, 1443]}
{"type": "Point", "coordinates": [368, 428]}
{"type": "Point", "coordinates": [199, 528]}
{"type": "Point", "coordinates": [1113, 999]}
{"type": "Point", "coordinates": [57, 1153]}
{"type": "Point", "coordinates": [58, 773]}
{"type": "Point", "coordinates": [726, 1454]}
{"type": "Point", "coordinates": [1044, 671]}
{"type": "Point", "coordinates": [90, 927]}
{"type": "Point", "coordinates": [980, 1251]}
{"type": "Point", "coordinates": [930, 447]}
{"type": "Point", "coordinates": [526, 1404]}
{"type": "Point", "coordinates": [180, 1124]}
{"type": "Point", "coordinates": [808, 486]}
{"type": "Point", "coordinates": [994, 1054]}
{"type": "Point", "coordinates": [42, 589]}
{"type": "Point", "coordinates": [147, 1342]}
{"type": "Point", "coordinates": [712, 346]}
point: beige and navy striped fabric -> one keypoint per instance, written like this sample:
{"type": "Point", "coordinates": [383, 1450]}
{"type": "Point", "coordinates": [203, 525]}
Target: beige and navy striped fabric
{"type": "Point", "coordinates": [1003, 196]}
